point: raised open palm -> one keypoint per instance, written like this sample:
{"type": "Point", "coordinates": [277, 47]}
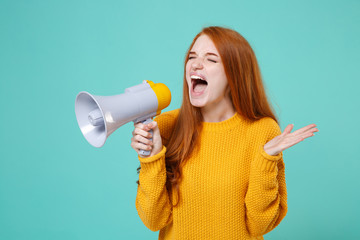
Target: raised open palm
{"type": "Point", "coordinates": [288, 138]}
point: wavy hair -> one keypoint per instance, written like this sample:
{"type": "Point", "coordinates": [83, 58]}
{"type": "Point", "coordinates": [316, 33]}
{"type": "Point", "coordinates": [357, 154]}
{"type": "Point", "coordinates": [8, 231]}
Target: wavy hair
{"type": "Point", "coordinates": [247, 94]}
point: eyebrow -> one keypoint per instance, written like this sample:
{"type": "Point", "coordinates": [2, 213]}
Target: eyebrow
{"type": "Point", "coordinates": [209, 53]}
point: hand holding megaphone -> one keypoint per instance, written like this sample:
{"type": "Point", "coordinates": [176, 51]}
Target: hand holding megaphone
{"type": "Point", "coordinates": [100, 116]}
{"type": "Point", "coordinates": [146, 137]}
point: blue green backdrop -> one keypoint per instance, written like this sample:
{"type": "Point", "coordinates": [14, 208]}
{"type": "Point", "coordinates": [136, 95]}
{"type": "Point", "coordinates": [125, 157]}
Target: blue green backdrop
{"type": "Point", "coordinates": [54, 185]}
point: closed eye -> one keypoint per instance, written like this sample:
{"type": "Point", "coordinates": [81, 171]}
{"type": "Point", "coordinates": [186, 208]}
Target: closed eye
{"type": "Point", "coordinates": [210, 60]}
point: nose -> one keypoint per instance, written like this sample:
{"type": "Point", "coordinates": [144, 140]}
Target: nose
{"type": "Point", "coordinates": [197, 64]}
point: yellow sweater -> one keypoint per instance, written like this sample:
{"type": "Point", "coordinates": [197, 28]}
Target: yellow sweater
{"type": "Point", "coordinates": [230, 189]}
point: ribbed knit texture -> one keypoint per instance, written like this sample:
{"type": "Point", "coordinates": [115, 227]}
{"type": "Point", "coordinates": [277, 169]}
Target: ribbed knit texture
{"type": "Point", "coordinates": [230, 189]}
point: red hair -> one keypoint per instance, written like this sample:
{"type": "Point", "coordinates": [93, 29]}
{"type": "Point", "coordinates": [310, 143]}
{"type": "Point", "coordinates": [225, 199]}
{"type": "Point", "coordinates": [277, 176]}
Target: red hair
{"type": "Point", "coordinates": [247, 94]}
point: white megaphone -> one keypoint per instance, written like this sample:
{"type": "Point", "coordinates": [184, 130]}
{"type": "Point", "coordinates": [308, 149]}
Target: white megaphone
{"type": "Point", "coordinates": [100, 116]}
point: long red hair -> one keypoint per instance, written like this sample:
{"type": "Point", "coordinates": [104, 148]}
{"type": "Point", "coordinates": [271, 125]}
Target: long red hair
{"type": "Point", "coordinates": [247, 94]}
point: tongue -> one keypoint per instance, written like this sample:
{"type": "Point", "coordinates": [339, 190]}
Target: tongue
{"type": "Point", "coordinates": [199, 87]}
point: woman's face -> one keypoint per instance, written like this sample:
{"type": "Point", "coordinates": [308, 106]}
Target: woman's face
{"type": "Point", "coordinates": [205, 75]}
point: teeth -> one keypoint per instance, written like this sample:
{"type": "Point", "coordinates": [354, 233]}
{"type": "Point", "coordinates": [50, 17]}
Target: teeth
{"type": "Point", "coordinates": [196, 77]}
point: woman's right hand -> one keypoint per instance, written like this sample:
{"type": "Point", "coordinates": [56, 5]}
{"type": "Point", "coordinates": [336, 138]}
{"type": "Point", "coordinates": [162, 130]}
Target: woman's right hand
{"type": "Point", "coordinates": [141, 138]}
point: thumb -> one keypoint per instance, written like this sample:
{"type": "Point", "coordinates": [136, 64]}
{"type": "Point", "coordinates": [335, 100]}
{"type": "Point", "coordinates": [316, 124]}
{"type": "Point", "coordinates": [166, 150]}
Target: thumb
{"type": "Point", "coordinates": [152, 125]}
{"type": "Point", "coordinates": [288, 129]}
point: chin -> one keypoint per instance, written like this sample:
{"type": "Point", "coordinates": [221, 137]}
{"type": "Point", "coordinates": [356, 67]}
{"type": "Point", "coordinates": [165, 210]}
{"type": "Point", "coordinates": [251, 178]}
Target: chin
{"type": "Point", "coordinates": [197, 103]}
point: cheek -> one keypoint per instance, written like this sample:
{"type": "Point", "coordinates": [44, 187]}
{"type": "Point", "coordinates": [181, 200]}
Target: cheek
{"type": "Point", "coordinates": [187, 68]}
{"type": "Point", "coordinates": [220, 79]}
{"type": "Point", "coordinates": [220, 84]}
{"type": "Point", "coordinates": [187, 73]}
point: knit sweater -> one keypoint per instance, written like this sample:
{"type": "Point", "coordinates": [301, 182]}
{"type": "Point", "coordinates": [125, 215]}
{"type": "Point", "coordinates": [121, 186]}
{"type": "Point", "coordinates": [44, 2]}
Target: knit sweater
{"type": "Point", "coordinates": [230, 187]}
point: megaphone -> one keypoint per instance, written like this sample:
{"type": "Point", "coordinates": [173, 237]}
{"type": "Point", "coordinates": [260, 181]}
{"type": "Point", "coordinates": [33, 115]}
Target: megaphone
{"type": "Point", "coordinates": [100, 116]}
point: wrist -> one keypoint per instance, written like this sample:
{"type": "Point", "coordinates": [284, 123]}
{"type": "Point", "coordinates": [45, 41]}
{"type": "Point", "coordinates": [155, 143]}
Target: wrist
{"type": "Point", "coordinates": [271, 151]}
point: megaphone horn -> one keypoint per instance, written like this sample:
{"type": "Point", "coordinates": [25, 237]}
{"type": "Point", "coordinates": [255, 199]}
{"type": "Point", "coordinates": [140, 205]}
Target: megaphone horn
{"type": "Point", "coordinates": [100, 116]}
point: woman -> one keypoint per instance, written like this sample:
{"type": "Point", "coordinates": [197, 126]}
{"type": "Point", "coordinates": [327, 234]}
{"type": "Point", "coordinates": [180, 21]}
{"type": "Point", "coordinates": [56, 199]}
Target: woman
{"type": "Point", "coordinates": [216, 169]}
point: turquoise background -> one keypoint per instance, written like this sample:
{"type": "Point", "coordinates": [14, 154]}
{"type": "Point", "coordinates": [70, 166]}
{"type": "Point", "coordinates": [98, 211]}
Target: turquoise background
{"type": "Point", "coordinates": [54, 185]}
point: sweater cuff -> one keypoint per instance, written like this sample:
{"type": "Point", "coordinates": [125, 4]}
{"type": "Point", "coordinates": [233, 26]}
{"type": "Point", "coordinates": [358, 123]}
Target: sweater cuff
{"type": "Point", "coordinates": [270, 157]}
{"type": "Point", "coordinates": [267, 162]}
{"type": "Point", "coordinates": [153, 158]}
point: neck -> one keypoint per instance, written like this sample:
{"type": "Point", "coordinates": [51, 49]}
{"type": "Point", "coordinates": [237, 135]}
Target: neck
{"type": "Point", "coordinates": [219, 112]}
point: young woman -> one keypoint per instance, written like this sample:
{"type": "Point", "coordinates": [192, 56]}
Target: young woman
{"type": "Point", "coordinates": [216, 169]}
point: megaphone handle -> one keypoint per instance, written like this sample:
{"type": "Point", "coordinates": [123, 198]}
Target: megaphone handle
{"type": "Point", "coordinates": [146, 152]}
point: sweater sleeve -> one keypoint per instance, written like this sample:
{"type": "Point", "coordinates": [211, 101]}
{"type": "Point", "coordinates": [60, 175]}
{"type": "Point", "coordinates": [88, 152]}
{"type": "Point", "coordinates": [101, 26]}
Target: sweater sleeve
{"type": "Point", "coordinates": [266, 198]}
{"type": "Point", "coordinates": [152, 199]}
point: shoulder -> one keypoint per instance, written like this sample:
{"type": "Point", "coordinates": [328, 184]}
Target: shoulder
{"type": "Point", "coordinates": [166, 122]}
{"type": "Point", "coordinates": [266, 123]}
{"type": "Point", "coordinates": [167, 118]}
{"type": "Point", "coordinates": [266, 127]}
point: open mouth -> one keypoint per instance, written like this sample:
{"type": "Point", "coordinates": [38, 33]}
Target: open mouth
{"type": "Point", "coordinates": [198, 84]}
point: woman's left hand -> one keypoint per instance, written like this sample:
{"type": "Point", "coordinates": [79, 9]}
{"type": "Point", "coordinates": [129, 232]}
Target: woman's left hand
{"type": "Point", "coordinates": [287, 139]}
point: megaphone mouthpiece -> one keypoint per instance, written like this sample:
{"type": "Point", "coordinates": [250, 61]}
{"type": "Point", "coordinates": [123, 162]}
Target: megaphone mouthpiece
{"type": "Point", "coordinates": [163, 94]}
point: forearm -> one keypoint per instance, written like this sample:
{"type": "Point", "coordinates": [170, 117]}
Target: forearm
{"type": "Point", "coordinates": [152, 200]}
{"type": "Point", "coordinates": [266, 198]}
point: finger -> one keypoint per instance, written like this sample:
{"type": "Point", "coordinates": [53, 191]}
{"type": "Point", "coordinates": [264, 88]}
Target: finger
{"type": "Point", "coordinates": [142, 126]}
{"type": "Point", "coordinates": [141, 132]}
{"type": "Point", "coordinates": [312, 130]}
{"type": "Point", "coordinates": [133, 143]}
{"type": "Point", "coordinates": [307, 134]}
{"type": "Point", "coordinates": [296, 139]}
{"type": "Point", "coordinates": [138, 125]}
{"type": "Point", "coordinates": [143, 140]}
{"type": "Point", "coordinates": [152, 125]}
{"type": "Point", "coordinates": [288, 129]}
{"type": "Point", "coordinates": [141, 146]}
{"type": "Point", "coordinates": [291, 138]}
{"type": "Point", "coordinates": [304, 129]}
{"type": "Point", "coordinates": [137, 146]}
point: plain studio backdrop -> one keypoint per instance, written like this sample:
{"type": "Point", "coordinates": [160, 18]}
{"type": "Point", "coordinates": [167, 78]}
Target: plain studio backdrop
{"type": "Point", "coordinates": [54, 185]}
